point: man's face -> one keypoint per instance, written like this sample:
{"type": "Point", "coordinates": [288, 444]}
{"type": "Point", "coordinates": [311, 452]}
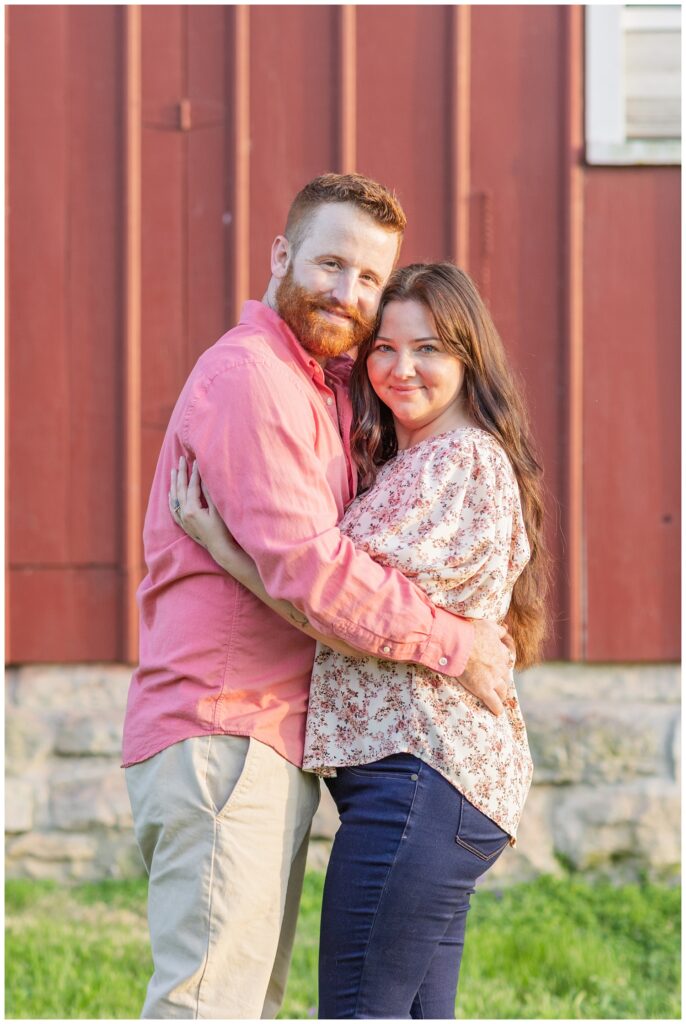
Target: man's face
{"type": "Point", "coordinates": [330, 289]}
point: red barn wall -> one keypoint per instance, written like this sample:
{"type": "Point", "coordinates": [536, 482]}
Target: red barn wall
{"type": "Point", "coordinates": [474, 115]}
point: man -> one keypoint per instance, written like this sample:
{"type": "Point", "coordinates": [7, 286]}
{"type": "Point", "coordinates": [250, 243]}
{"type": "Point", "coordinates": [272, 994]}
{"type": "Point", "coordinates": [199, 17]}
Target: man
{"type": "Point", "coordinates": [215, 723]}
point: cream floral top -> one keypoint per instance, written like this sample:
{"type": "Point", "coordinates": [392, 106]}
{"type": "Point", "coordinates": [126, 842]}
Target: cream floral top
{"type": "Point", "coordinates": [446, 513]}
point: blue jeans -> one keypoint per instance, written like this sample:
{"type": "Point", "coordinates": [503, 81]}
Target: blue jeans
{"type": "Point", "coordinates": [403, 866]}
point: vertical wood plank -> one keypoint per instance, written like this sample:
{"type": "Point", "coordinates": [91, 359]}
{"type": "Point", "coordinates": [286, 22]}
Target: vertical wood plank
{"type": "Point", "coordinates": [207, 164]}
{"type": "Point", "coordinates": [632, 359]}
{"type": "Point", "coordinates": [572, 141]}
{"type": "Point", "coordinates": [133, 386]}
{"type": "Point", "coordinates": [518, 231]}
{"type": "Point", "coordinates": [164, 221]}
{"type": "Point", "coordinates": [460, 133]}
{"type": "Point", "coordinates": [94, 286]}
{"type": "Point", "coordinates": [404, 90]}
{"type": "Point", "coordinates": [65, 295]}
{"type": "Point", "coordinates": [239, 190]}
{"type": "Point", "coordinates": [348, 88]}
{"type": "Point", "coordinates": [38, 275]}
{"type": "Point", "coordinates": [294, 124]}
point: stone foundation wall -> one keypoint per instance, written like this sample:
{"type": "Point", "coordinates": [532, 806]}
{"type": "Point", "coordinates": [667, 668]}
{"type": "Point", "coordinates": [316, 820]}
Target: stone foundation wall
{"type": "Point", "coordinates": [605, 799]}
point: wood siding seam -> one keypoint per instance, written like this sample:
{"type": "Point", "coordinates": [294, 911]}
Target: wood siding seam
{"type": "Point", "coordinates": [460, 132]}
{"type": "Point", "coordinates": [347, 112]}
{"type": "Point", "coordinates": [6, 106]}
{"type": "Point", "coordinates": [185, 146]}
{"type": "Point", "coordinates": [241, 157]}
{"type": "Point", "coordinates": [572, 192]}
{"type": "Point", "coordinates": [133, 388]}
{"type": "Point", "coordinates": [68, 13]}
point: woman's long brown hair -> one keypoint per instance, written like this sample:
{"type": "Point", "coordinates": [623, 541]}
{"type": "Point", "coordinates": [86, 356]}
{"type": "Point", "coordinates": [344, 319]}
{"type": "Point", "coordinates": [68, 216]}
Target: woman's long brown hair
{"type": "Point", "coordinates": [492, 400]}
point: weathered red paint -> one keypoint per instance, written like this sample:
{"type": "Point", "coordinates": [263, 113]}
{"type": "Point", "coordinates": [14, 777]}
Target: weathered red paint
{"type": "Point", "coordinates": [294, 122]}
{"type": "Point", "coordinates": [470, 115]}
{"type": "Point", "coordinates": [404, 126]}
{"type": "Point", "coordinates": [631, 385]}
{"type": "Point", "coordinates": [64, 375]}
{"type": "Point", "coordinates": [517, 238]}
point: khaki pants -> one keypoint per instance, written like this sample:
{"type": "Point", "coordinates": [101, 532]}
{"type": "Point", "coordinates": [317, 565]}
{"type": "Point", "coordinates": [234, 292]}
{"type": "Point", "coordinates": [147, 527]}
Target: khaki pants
{"type": "Point", "coordinates": [223, 824]}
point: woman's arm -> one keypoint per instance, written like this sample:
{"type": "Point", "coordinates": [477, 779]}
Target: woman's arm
{"type": "Point", "coordinates": [207, 528]}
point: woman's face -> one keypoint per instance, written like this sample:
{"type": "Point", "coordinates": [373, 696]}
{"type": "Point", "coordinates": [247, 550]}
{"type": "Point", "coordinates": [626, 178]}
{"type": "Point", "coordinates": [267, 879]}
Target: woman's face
{"type": "Point", "coordinates": [412, 372]}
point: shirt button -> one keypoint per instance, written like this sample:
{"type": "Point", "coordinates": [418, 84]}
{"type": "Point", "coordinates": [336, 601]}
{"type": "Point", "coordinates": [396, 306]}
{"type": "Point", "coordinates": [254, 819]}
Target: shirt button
{"type": "Point", "coordinates": [329, 400]}
{"type": "Point", "coordinates": [386, 650]}
{"type": "Point", "coordinates": [414, 777]}
{"type": "Point", "coordinates": [442, 661]}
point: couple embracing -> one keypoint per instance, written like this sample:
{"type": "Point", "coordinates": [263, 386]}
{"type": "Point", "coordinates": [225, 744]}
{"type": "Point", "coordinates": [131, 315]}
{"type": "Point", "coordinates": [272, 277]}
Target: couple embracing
{"type": "Point", "coordinates": [345, 559]}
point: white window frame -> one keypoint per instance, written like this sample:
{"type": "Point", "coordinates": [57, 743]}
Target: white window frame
{"type": "Point", "coordinates": [604, 102]}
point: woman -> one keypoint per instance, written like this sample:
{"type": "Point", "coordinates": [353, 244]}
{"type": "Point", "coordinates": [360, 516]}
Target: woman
{"type": "Point", "coordinates": [428, 783]}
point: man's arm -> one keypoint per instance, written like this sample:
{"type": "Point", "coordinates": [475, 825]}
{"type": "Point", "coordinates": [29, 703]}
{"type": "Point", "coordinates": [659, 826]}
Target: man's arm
{"type": "Point", "coordinates": [255, 438]}
{"type": "Point", "coordinates": [207, 528]}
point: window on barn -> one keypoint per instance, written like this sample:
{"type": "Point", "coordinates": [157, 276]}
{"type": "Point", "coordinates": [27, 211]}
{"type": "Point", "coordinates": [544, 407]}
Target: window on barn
{"type": "Point", "coordinates": [633, 84]}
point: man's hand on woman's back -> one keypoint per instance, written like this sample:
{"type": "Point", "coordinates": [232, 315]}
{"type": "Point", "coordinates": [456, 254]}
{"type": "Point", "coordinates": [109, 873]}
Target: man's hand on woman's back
{"type": "Point", "coordinates": [487, 672]}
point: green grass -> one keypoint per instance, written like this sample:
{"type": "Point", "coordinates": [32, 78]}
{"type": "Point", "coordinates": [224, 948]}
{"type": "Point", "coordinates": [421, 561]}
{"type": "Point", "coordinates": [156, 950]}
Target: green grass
{"type": "Point", "coordinates": [565, 949]}
{"type": "Point", "coordinates": [550, 949]}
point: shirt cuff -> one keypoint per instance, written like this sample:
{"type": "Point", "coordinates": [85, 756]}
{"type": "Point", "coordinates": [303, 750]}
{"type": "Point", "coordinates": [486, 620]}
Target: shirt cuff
{"type": "Point", "coordinates": [446, 650]}
{"type": "Point", "coordinates": [450, 644]}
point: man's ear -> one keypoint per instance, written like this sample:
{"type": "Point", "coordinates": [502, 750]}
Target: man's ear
{"type": "Point", "coordinates": [281, 256]}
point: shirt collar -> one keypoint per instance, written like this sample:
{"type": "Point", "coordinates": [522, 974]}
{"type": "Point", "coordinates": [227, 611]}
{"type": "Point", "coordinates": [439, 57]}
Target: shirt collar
{"type": "Point", "coordinates": [259, 314]}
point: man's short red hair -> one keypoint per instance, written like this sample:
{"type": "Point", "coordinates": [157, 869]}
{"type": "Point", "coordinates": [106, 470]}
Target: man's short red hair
{"type": "Point", "coordinates": [367, 195]}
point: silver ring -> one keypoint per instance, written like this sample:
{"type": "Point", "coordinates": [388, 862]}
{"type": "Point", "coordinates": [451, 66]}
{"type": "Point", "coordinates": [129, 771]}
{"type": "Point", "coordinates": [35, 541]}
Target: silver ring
{"type": "Point", "coordinates": [176, 508]}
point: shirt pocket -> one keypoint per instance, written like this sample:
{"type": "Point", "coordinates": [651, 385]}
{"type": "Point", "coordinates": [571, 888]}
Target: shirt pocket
{"type": "Point", "coordinates": [479, 834]}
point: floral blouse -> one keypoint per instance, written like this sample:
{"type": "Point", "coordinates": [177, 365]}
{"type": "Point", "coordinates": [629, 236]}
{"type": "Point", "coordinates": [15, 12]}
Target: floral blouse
{"type": "Point", "coordinates": [446, 513]}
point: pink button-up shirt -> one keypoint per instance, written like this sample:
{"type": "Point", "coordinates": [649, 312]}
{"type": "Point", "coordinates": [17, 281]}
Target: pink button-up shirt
{"type": "Point", "coordinates": [270, 430]}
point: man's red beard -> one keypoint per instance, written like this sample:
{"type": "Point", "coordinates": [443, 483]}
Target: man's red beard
{"type": "Point", "coordinates": [302, 311]}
